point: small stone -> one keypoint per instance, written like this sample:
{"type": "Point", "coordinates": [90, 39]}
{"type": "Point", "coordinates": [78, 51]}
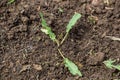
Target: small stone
{"type": "Point", "coordinates": [95, 2]}
{"type": "Point", "coordinates": [37, 67]}
{"type": "Point", "coordinates": [96, 58]}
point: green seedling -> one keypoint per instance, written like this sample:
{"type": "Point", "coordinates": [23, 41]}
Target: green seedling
{"type": "Point", "coordinates": [70, 25]}
{"type": "Point", "coordinates": [47, 30]}
{"type": "Point", "coordinates": [10, 1]}
{"type": "Point", "coordinates": [72, 67]}
{"type": "Point", "coordinates": [109, 64]}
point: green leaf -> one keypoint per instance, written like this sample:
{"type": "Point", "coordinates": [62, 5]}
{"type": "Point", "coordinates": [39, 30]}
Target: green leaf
{"type": "Point", "coordinates": [72, 67]}
{"type": "Point", "coordinates": [109, 64]}
{"type": "Point", "coordinates": [72, 22]}
{"type": "Point", "coordinates": [117, 67]}
{"type": "Point", "coordinates": [46, 29]}
{"type": "Point", "coordinates": [10, 1]}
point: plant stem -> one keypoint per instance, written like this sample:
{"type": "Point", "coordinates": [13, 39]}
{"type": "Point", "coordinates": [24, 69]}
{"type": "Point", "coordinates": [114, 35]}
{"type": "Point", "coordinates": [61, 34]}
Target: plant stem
{"type": "Point", "coordinates": [57, 42]}
{"type": "Point", "coordinates": [61, 54]}
{"type": "Point", "coordinates": [64, 38]}
{"type": "Point", "coordinates": [59, 49]}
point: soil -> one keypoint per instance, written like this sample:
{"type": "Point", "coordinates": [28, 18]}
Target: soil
{"type": "Point", "coordinates": [28, 54]}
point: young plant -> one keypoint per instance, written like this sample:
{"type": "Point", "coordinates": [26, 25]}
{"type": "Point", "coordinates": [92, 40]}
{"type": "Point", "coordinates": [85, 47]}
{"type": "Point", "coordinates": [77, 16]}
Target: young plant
{"type": "Point", "coordinates": [71, 23]}
{"type": "Point", "coordinates": [47, 30]}
{"type": "Point", "coordinates": [10, 1]}
{"type": "Point", "coordinates": [109, 64]}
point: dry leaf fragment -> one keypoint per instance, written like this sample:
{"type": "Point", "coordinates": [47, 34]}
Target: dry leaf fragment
{"type": "Point", "coordinates": [113, 38]}
{"type": "Point", "coordinates": [25, 67]}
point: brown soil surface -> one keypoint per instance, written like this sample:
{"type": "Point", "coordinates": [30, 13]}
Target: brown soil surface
{"type": "Point", "coordinates": [28, 54]}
